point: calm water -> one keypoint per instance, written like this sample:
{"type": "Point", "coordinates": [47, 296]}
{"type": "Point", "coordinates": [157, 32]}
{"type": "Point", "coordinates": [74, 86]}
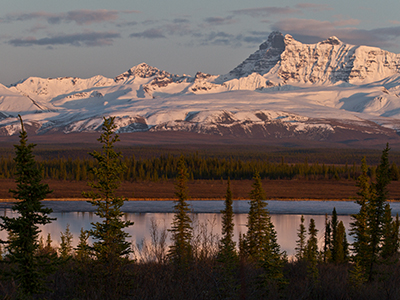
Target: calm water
{"type": "Point", "coordinates": [284, 214]}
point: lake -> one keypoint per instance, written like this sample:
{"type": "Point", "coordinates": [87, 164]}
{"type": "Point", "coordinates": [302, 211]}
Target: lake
{"type": "Point", "coordinates": [285, 216]}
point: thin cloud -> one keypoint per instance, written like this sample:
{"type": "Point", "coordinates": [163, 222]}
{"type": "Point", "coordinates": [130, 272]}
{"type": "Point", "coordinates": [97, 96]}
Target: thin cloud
{"type": "Point", "coordinates": [80, 17]}
{"type": "Point", "coordinates": [153, 33]}
{"type": "Point", "coordinates": [89, 39]}
{"type": "Point", "coordinates": [180, 29]}
{"type": "Point", "coordinates": [312, 27]}
{"type": "Point", "coordinates": [262, 33]}
{"type": "Point", "coordinates": [176, 27]}
{"type": "Point", "coordinates": [313, 31]}
{"type": "Point", "coordinates": [313, 6]}
{"type": "Point", "coordinates": [221, 38]}
{"type": "Point", "coordinates": [254, 39]}
{"type": "Point", "coordinates": [28, 16]}
{"type": "Point", "coordinates": [149, 22]}
{"type": "Point", "coordinates": [36, 28]}
{"type": "Point", "coordinates": [85, 17]}
{"type": "Point", "coordinates": [266, 11]}
{"type": "Point", "coordinates": [127, 24]}
{"type": "Point", "coordinates": [180, 20]}
{"type": "Point", "coordinates": [216, 21]}
{"type": "Point", "coordinates": [217, 38]}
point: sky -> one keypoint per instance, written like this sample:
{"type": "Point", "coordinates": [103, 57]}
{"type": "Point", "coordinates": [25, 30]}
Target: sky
{"type": "Point", "coordinates": [52, 38]}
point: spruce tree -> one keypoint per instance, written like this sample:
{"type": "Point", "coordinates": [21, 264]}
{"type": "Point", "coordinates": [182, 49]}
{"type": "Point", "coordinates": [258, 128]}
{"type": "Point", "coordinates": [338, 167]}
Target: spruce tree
{"type": "Point", "coordinates": [27, 267]}
{"type": "Point", "coordinates": [359, 227]}
{"type": "Point", "coordinates": [376, 210]}
{"type": "Point", "coordinates": [334, 240]}
{"type": "Point", "coordinates": [82, 250]}
{"type": "Point", "coordinates": [180, 251]}
{"type": "Point", "coordinates": [110, 243]}
{"type": "Point", "coordinates": [339, 245]}
{"type": "Point", "coordinates": [227, 247]}
{"type": "Point", "coordinates": [257, 221]}
{"type": "Point", "coordinates": [311, 253]}
{"type": "Point", "coordinates": [373, 224]}
{"type": "Point", "coordinates": [66, 244]}
{"type": "Point", "coordinates": [260, 242]}
{"type": "Point", "coordinates": [390, 239]}
{"type": "Point", "coordinates": [227, 255]}
{"type": "Point", "coordinates": [301, 242]}
{"type": "Point", "coordinates": [342, 246]}
{"type": "Point", "coordinates": [327, 240]}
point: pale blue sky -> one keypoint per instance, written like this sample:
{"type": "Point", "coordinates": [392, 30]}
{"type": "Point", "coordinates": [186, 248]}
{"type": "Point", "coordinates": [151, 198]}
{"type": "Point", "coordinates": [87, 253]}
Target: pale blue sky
{"type": "Point", "coordinates": [52, 38]}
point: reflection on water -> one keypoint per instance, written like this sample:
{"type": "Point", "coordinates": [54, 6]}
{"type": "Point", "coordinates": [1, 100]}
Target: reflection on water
{"type": "Point", "coordinates": [286, 225]}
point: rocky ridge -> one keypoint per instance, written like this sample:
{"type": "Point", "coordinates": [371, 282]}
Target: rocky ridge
{"type": "Point", "coordinates": [285, 89]}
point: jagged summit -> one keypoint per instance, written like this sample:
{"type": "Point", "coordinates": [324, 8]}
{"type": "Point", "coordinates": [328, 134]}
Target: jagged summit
{"type": "Point", "coordinates": [285, 60]}
{"type": "Point", "coordinates": [264, 59]}
{"type": "Point", "coordinates": [142, 70]}
{"type": "Point", "coordinates": [333, 40]}
{"type": "Point", "coordinates": [275, 41]}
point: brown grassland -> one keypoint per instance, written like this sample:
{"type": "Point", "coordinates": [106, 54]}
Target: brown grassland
{"type": "Point", "coordinates": [214, 189]}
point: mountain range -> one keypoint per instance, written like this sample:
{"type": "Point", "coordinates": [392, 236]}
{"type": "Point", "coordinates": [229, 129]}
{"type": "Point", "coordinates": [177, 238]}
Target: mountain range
{"type": "Point", "coordinates": [286, 90]}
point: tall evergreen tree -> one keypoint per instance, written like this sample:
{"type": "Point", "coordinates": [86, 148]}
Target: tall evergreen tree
{"type": "Point", "coordinates": [180, 251]}
{"type": "Point", "coordinates": [227, 254]}
{"type": "Point", "coordinates": [334, 238]}
{"type": "Point", "coordinates": [26, 266]}
{"type": "Point", "coordinates": [359, 226]}
{"type": "Point", "coordinates": [342, 246]}
{"type": "Point", "coordinates": [82, 250]}
{"type": "Point", "coordinates": [373, 224]}
{"type": "Point", "coordinates": [376, 210]}
{"type": "Point", "coordinates": [390, 239]}
{"type": "Point", "coordinates": [66, 244]}
{"type": "Point", "coordinates": [311, 252]}
{"type": "Point", "coordinates": [327, 240]}
{"type": "Point", "coordinates": [339, 245]}
{"type": "Point", "coordinates": [301, 242]}
{"type": "Point", "coordinates": [227, 247]}
{"type": "Point", "coordinates": [260, 241]}
{"type": "Point", "coordinates": [257, 221]}
{"type": "Point", "coordinates": [110, 243]}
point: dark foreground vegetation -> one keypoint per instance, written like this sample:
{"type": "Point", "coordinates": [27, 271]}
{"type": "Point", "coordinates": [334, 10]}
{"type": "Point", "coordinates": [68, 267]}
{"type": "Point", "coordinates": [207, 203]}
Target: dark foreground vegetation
{"type": "Point", "coordinates": [206, 279]}
{"type": "Point", "coordinates": [197, 264]}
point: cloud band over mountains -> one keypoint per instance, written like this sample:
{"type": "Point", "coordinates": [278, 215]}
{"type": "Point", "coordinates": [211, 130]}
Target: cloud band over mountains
{"type": "Point", "coordinates": [79, 39]}
{"type": "Point", "coordinates": [205, 31]}
{"type": "Point", "coordinates": [80, 17]}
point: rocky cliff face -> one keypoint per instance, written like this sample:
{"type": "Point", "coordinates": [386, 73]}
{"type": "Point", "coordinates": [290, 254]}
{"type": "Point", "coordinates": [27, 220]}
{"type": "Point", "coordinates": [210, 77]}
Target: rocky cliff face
{"type": "Point", "coordinates": [329, 61]}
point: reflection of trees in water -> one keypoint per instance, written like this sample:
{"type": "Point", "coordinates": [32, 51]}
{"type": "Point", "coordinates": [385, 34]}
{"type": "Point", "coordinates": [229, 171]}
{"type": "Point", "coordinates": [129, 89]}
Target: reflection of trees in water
{"type": "Point", "coordinates": [285, 225]}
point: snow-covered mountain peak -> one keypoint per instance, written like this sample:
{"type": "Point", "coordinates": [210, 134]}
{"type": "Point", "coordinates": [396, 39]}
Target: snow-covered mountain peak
{"type": "Point", "coordinates": [284, 60]}
{"type": "Point", "coordinates": [275, 40]}
{"type": "Point", "coordinates": [333, 40]}
{"type": "Point", "coordinates": [142, 70]}
{"type": "Point", "coordinates": [285, 89]}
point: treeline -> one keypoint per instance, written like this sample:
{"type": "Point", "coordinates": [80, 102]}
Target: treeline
{"type": "Point", "coordinates": [273, 154]}
{"type": "Point", "coordinates": [199, 167]}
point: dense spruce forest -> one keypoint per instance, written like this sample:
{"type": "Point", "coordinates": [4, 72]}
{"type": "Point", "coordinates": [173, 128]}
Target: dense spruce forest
{"type": "Point", "coordinates": [235, 165]}
{"type": "Point", "coordinates": [197, 264]}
